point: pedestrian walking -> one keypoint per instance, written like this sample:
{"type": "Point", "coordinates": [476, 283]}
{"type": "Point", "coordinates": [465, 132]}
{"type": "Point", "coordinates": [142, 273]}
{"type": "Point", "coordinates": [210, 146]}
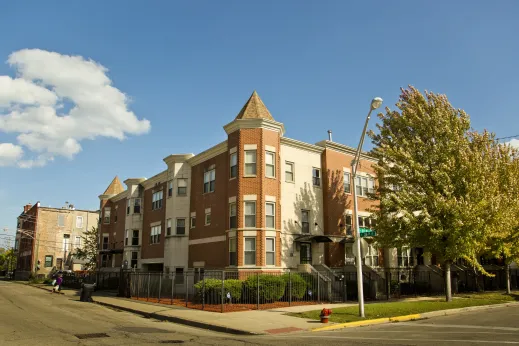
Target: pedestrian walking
{"type": "Point", "coordinates": [57, 287]}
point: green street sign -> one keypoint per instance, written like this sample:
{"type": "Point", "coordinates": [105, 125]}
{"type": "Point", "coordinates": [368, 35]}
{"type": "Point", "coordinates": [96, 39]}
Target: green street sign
{"type": "Point", "coordinates": [367, 232]}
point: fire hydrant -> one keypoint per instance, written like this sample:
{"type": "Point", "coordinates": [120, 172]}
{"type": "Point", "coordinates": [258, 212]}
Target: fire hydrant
{"type": "Point", "coordinates": [325, 314]}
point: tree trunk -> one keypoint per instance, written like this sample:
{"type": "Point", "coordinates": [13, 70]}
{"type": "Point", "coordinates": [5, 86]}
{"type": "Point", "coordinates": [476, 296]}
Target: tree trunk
{"type": "Point", "coordinates": [448, 290]}
{"type": "Point", "coordinates": [507, 268]}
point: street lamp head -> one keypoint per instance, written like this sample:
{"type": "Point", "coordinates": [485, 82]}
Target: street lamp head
{"type": "Point", "coordinates": [376, 102]}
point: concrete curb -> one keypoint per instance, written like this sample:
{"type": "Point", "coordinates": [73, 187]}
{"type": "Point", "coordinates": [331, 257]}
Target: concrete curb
{"type": "Point", "coordinates": [44, 288]}
{"type": "Point", "coordinates": [178, 320]}
{"type": "Point", "coordinates": [410, 317]}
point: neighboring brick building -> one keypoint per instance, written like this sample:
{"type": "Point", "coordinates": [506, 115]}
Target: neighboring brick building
{"type": "Point", "coordinates": [47, 238]}
{"type": "Point", "coordinates": [257, 201]}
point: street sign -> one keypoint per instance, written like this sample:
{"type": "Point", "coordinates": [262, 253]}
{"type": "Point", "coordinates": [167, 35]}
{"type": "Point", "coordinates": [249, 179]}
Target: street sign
{"type": "Point", "coordinates": [367, 232]}
{"type": "Point", "coordinates": [363, 247]}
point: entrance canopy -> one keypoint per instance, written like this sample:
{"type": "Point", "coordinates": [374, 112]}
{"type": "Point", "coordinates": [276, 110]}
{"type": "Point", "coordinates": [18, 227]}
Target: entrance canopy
{"type": "Point", "coordinates": [324, 238]}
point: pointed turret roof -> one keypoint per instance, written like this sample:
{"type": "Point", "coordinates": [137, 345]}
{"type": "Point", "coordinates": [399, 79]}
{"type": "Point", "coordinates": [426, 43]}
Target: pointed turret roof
{"type": "Point", "coordinates": [115, 187]}
{"type": "Point", "coordinates": [254, 108]}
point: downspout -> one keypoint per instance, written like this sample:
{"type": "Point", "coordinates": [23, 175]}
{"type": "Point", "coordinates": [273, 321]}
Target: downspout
{"type": "Point", "coordinates": [37, 244]}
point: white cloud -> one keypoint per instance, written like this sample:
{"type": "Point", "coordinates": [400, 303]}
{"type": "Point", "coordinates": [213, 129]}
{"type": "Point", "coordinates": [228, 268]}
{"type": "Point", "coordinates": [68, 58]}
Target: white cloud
{"type": "Point", "coordinates": [32, 106]}
{"type": "Point", "coordinates": [514, 143]}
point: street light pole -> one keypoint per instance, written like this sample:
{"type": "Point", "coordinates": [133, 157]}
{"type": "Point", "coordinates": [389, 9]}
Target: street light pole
{"type": "Point", "coordinates": [375, 103]}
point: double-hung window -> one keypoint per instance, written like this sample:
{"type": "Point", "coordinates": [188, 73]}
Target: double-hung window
{"type": "Point", "coordinates": [182, 187]}
{"type": "Point", "coordinates": [128, 207]}
{"type": "Point", "coordinates": [155, 234]}
{"type": "Point", "coordinates": [250, 214]}
{"type": "Point", "coordinates": [232, 251]}
{"type": "Point", "coordinates": [135, 258]}
{"type": "Point", "coordinates": [137, 206]}
{"type": "Point", "coordinates": [316, 176]}
{"type": "Point", "coordinates": [270, 255]}
{"type": "Point", "coordinates": [233, 221]}
{"type": "Point", "coordinates": [270, 164]}
{"type": "Point", "coordinates": [79, 221]}
{"type": "Point", "coordinates": [126, 237]}
{"type": "Point", "coordinates": [170, 188]}
{"type": "Point", "coordinates": [270, 215]}
{"type": "Point", "coordinates": [365, 186]}
{"type": "Point", "coordinates": [135, 237]}
{"type": "Point", "coordinates": [157, 200]}
{"type": "Point", "coordinates": [233, 159]}
{"type": "Point", "coordinates": [305, 221]}
{"type": "Point", "coordinates": [348, 219]}
{"type": "Point", "coordinates": [181, 226]}
{"type": "Point", "coordinates": [347, 182]}
{"type": "Point", "coordinates": [250, 162]}
{"type": "Point", "coordinates": [106, 218]}
{"type": "Point", "coordinates": [209, 178]}
{"type": "Point", "coordinates": [289, 172]}
{"type": "Point", "coordinates": [250, 251]}
{"type": "Point", "coordinates": [48, 261]}
{"type": "Point", "coordinates": [168, 227]}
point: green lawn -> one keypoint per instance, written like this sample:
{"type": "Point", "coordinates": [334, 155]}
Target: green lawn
{"type": "Point", "coordinates": [393, 309]}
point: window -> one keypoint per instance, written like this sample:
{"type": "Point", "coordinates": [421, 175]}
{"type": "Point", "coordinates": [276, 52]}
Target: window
{"type": "Point", "coordinates": [168, 227]}
{"type": "Point", "coordinates": [193, 221]}
{"type": "Point", "coordinates": [270, 215]}
{"type": "Point", "coordinates": [179, 276]}
{"type": "Point", "coordinates": [250, 214]}
{"type": "Point", "coordinates": [209, 178]}
{"type": "Point", "coordinates": [348, 220]}
{"type": "Point", "coordinates": [404, 257]}
{"type": "Point", "coordinates": [372, 256]}
{"type": "Point", "coordinates": [270, 164]}
{"type": "Point", "coordinates": [316, 176]}
{"type": "Point", "coordinates": [250, 251]}
{"type": "Point", "coordinates": [48, 261]}
{"type": "Point", "coordinates": [305, 223]}
{"type": "Point", "coordinates": [233, 221]}
{"type": "Point", "coordinates": [181, 226]}
{"type": "Point", "coordinates": [271, 253]}
{"type": "Point", "coordinates": [59, 263]}
{"type": "Point", "coordinates": [135, 257]}
{"type": "Point", "coordinates": [106, 218]}
{"type": "Point", "coordinates": [126, 237]}
{"type": "Point", "coordinates": [232, 252]}
{"type": "Point", "coordinates": [137, 206]}
{"type": "Point", "coordinates": [365, 186]}
{"type": "Point", "coordinates": [170, 189]}
{"type": "Point", "coordinates": [61, 219]}
{"type": "Point", "coordinates": [135, 238]}
{"type": "Point", "coordinates": [347, 182]}
{"type": "Point", "coordinates": [77, 242]}
{"type": "Point", "coordinates": [207, 218]}
{"type": "Point", "coordinates": [289, 172]}
{"type": "Point", "coordinates": [234, 165]}
{"type": "Point", "coordinates": [128, 207]}
{"type": "Point", "coordinates": [250, 162]}
{"type": "Point", "coordinates": [105, 243]}
{"type": "Point", "coordinates": [157, 200]}
{"type": "Point", "coordinates": [66, 242]}
{"type": "Point", "coordinates": [182, 187]}
{"type": "Point", "coordinates": [79, 221]}
{"type": "Point", "coordinates": [155, 234]}
{"type": "Point", "coordinates": [366, 222]}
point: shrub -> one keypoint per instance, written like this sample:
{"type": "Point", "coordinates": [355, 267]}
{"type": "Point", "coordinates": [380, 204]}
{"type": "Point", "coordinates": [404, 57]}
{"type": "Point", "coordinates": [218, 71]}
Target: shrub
{"type": "Point", "coordinates": [271, 287]}
{"type": "Point", "coordinates": [234, 287]}
{"type": "Point", "coordinates": [297, 285]}
{"type": "Point", "coordinates": [213, 289]}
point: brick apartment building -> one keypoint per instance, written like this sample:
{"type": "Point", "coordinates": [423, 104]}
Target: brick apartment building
{"type": "Point", "coordinates": [47, 238]}
{"type": "Point", "coordinates": [256, 201]}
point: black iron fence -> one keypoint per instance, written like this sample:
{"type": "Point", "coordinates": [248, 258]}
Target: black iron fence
{"type": "Point", "coordinates": [103, 280]}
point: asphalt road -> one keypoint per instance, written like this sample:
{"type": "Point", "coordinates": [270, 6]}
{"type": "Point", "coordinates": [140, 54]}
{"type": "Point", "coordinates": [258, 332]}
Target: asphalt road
{"type": "Point", "coordinates": [29, 316]}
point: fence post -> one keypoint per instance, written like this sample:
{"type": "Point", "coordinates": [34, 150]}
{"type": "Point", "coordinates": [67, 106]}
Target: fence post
{"type": "Point", "coordinates": [289, 288]}
{"type": "Point", "coordinates": [149, 279]}
{"type": "Point", "coordinates": [203, 293]}
{"type": "Point", "coordinates": [186, 279]}
{"type": "Point", "coordinates": [172, 288]}
{"type": "Point", "coordinates": [223, 289]}
{"type": "Point", "coordinates": [138, 285]}
{"type": "Point", "coordinates": [160, 285]}
{"type": "Point", "coordinates": [257, 291]}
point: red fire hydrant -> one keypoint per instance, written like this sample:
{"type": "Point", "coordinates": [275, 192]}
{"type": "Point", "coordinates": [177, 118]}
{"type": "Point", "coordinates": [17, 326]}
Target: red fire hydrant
{"type": "Point", "coordinates": [325, 314]}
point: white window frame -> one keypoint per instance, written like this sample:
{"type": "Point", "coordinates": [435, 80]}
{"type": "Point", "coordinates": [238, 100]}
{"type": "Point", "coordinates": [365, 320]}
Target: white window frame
{"type": "Point", "coordinates": [128, 206]}
{"type": "Point", "coordinates": [271, 216]}
{"type": "Point", "coordinates": [79, 221]}
{"type": "Point", "coordinates": [106, 215]}
{"type": "Point", "coordinates": [168, 226]}
{"type": "Point", "coordinates": [207, 218]}
{"type": "Point", "coordinates": [177, 226]}
{"type": "Point", "coordinates": [157, 199]}
{"type": "Point", "coordinates": [273, 251]}
{"type": "Point", "coordinates": [250, 164]}
{"type": "Point", "coordinates": [233, 157]}
{"type": "Point", "coordinates": [303, 211]}
{"type": "Point", "coordinates": [364, 185]}
{"type": "Point", "coordinates": [292, 165]}
{"type": "Point", "coordinates": [156, 232]}
{"type": "Point", "coordinates": [232, 206]}
{"type": "Point", "coordinates": [252, 251]}
{"type": "Point", "coordinates": [126, 237]}
{"type": "Point", "coordinates": [192, 222]}
{"type": "Point", "coordinates": [77, 244]}
{"type": "Point", "coordinates": [371, 255]}
{"type": "Point", "coordinates": [268, 165]}
{"type": "Point", "coordinates": [209, 180]}
{"type": "Point", "coordinates": [61, 217]}
{"type": "Point", "coordinates": [316, 178]}
{"type": "Point", "coordinates": [245, 214]}
{"type": "Point", "coordinates": [347, 182]}
{"type": "Point", "coordinates": [181, 181]}
{"type": "Point", "coordinates": [170, 188]}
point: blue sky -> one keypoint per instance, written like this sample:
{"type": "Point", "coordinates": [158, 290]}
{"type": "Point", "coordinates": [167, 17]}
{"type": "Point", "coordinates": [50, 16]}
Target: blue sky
{"type": "Point", "coordinates": [189, 66]}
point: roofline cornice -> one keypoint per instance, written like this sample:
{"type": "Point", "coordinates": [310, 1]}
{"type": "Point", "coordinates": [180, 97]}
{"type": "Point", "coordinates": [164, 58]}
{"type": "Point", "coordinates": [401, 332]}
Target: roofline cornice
{"type": "Point", "coordinates": [208, 154]}
{"type": "Point", "coordinates": [344, 149]}
{"type": "Point", "coordinates": [266, 124]}
{"type": "Point", "coordinates": [153, 180]}
{"type": "Point", "coordinates": [134, 181]}
{"type": "Point", "coordinates": [301, 145]}
{"type": "Point", "coordinates": [177, 158]}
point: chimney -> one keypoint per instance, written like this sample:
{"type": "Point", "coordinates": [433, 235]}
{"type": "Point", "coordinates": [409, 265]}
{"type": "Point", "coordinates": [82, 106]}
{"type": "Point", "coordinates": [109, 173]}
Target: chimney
{"type": "Point", "coordinates": [27, 207]}
{"type": "Point", "coordinates": [330, 135]}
